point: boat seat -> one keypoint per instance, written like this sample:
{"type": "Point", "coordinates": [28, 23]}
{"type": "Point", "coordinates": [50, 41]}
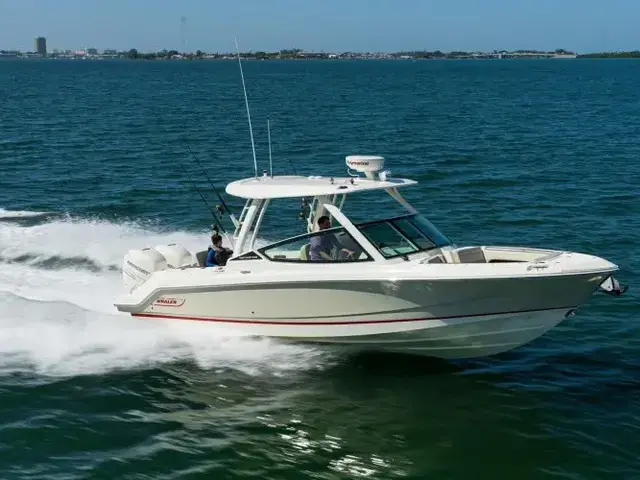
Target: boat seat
{"type": "Point", "coordinates": [201, 256]}
{"type": "Point", "coordinates": [470, 255]}
{"type": "Point", "coordinates": [304, 252]}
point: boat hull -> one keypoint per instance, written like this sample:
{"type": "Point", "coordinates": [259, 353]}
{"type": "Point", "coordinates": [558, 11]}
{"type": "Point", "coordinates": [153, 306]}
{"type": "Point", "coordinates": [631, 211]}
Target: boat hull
{"type": "Point", "coordinates": [448, 338]}
{"type": "Point", "coordinates": [461, 338]}
{"type": "Point", "coordinates": [442, 318]}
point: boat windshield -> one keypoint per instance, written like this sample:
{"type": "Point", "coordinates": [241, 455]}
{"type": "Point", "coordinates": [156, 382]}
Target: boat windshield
{"type": "Point", "coordinates": [403, 235]}
{"type": "Point", "coordinates": [331, 245]}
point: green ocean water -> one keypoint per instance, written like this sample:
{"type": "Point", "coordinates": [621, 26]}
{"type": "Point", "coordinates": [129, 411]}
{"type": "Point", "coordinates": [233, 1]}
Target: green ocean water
{"type": "Point", "coordinates": [92, 163]}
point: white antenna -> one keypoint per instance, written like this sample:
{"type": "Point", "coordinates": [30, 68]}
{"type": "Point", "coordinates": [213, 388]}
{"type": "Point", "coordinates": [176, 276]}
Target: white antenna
{"type": "Point", "coordinates": [246, 101]}
{"type": "Point", "coordinates": [269, 134]}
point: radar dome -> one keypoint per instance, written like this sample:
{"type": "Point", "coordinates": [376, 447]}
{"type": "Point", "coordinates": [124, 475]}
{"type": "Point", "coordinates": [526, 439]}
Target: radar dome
{"type": "Point", "coordinates": [367, 164]}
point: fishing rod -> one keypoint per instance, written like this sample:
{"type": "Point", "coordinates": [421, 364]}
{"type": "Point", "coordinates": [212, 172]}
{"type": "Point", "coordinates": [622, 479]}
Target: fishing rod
{"type": "Point", "coordinates": [218, 225]}
{"type": "Point", "coordinates": [222, 202]}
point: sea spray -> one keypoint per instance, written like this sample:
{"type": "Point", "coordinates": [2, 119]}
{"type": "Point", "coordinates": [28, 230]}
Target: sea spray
{"type": "Point", "coordinates": [58, 316]}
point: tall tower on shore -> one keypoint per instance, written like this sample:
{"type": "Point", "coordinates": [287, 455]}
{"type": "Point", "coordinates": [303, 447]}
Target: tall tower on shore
{"type": "Point", "coordinates": [183, 34]}
{"type": "Point", "coordinates": [41, 46]}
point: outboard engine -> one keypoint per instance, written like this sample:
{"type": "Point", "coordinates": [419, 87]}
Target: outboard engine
{"type": "Point", "coordinates": [176, 255]}
{"type": "Point", "coordinates": [138, 266]}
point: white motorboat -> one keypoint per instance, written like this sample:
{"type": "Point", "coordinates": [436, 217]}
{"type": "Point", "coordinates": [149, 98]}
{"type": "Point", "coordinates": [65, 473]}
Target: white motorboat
{"type": "Point", "coordinates": [391, 284]}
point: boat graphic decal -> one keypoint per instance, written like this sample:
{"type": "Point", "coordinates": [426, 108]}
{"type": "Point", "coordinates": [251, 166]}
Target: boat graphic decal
{"type": "Point", "coordinates": [169, 302]}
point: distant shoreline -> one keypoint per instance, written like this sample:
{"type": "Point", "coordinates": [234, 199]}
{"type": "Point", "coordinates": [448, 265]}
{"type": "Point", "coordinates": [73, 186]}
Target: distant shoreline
{"type": "Point", "coordinates": [101, 58]}
{"type": "Point", "coordinates": [296, 54]}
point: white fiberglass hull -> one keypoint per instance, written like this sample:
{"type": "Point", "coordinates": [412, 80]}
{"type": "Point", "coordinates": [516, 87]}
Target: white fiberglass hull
{"type": "Point", "coordinates": [452, 318]}
{"type": "Point", "coordinates": [457, 338]}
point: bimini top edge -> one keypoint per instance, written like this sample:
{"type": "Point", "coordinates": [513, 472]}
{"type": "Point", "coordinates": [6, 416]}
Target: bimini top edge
{"type": "Point", "coordinates": [289, 186]}
{"type": "Point", "coordinates": [295, 186]}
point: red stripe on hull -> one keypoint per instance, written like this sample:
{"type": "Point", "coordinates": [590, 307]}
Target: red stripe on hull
{"type": "Point", "coordinates": [314, 323]}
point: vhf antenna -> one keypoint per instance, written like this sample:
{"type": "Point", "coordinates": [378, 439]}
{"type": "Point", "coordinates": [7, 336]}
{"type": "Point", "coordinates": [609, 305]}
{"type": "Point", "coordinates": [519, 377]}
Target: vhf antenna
{"type": "Point", "coordinates": [246, 101]}
{"type": "Point", "coordinates": [269, 134]}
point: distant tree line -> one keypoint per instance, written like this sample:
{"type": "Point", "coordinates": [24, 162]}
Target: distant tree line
{"type": "Point", "coordinates": [168, 54]}
{"type": "Point", "coordinates": [294, 53]}
{"type": "Point", "coordinates": [632, 54]}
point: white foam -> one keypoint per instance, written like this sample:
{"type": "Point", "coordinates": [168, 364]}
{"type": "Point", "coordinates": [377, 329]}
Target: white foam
{"type": "Point", "coordinates": [18, 213]}
{"type": "Point", "coordinates": [63, 322]}
{"type": "Point", "coordinates": [103, 242]}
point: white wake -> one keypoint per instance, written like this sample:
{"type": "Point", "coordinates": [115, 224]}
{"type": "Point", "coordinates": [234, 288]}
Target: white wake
{"type": "Point", "coordinates": [58, 281]}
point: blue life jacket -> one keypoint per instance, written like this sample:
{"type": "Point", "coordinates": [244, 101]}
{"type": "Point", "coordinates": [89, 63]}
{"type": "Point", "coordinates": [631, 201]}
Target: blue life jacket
{"type": "Point", "coordinates": [210, 260]}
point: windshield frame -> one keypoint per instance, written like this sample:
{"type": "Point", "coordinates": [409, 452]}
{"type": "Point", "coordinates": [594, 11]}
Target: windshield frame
{"type": "Point", "coordinates": [407, 238]}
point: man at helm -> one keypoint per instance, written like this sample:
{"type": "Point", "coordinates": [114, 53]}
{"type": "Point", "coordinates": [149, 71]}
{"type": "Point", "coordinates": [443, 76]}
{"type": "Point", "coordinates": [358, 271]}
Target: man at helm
{"type": "Point", "coordinates": [322, 245]}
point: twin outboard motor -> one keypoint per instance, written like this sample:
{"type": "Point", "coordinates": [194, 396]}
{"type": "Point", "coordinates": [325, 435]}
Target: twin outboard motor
{"type": "Point", "coordinates": [138, 265]}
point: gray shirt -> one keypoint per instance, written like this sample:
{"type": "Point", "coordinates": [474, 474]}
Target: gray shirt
{"type": "Point", "coordinates": [322, 243]}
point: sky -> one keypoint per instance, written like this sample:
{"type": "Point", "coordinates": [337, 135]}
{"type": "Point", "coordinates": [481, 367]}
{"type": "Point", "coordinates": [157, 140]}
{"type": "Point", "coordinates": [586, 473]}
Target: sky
{"type": "Point", "coordinates": [322, 25]}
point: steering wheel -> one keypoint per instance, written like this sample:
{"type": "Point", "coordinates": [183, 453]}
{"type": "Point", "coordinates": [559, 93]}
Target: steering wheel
{"type": "Point", "coordinates": [349, 254]}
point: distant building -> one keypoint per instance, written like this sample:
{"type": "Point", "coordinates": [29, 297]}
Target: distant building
{"type": "Point", "coordinates": [41, 46]}
{"type": "Point", "coordinates": [92, 51]}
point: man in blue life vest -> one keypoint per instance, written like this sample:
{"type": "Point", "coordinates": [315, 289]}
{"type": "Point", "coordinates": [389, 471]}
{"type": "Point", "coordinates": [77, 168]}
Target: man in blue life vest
{"type": "Point", "coordinates": [217, 255]}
